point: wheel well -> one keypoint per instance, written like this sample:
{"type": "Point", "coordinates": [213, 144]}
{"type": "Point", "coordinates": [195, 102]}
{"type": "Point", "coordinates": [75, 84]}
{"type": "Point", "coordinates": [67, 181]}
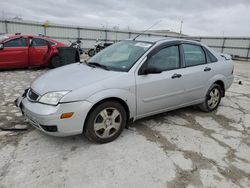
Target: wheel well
{"type": "Point", "coordinates": [53, 57]}
{"type": "Point", "coordinates": [122, 102]}
{"type": "Point", "coordinates": [221, 84]}
{"type": "Point", "coordinates": [50, 59]}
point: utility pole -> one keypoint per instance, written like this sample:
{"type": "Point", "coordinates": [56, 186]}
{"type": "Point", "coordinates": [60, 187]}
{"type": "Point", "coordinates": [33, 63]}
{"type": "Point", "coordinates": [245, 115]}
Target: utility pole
{"type": "Point", "coordinates": [181, 27]}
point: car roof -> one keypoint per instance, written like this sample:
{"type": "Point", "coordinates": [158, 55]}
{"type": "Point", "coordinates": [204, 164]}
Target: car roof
{"type": "Point", "coordinates": [154, 39]}
{"type": "Point", "coordinates": [10, 36]}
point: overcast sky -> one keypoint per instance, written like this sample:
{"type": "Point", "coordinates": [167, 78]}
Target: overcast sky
{"type": "Point", "coordinates": [209, 17]}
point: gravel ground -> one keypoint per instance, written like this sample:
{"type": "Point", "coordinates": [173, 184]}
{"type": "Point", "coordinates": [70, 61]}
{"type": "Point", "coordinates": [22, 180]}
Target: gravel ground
{"type": "Point", "coordinates": [182, 148]}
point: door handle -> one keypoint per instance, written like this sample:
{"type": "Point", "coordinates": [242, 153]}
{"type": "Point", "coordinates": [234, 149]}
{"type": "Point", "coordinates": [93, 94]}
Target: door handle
{"type": "Point", "coordinates": [176, 76]}
{"type": "Point", "coordinates": [207, 69]}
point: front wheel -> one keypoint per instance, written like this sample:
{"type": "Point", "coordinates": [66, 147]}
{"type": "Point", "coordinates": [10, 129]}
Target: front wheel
{"type": "Point", "coordinates": [105, 122]}
{"type": "Point", "coordinates": [213, 98]}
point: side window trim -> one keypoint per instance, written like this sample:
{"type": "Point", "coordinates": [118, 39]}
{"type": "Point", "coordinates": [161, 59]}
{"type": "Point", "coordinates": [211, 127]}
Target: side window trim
{"type": "Point", "coordinates": [159, 48]}
{"type": "Point", "coordinates": [183, 53]}
{"type": "Point", "coordinates": [32, 42]}
{"type": "Point", "coordinates": [183, 64]}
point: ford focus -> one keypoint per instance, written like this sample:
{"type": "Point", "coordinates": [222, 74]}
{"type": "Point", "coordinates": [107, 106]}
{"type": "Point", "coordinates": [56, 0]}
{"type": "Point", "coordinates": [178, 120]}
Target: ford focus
{"type": "Point", "coordinates": [127, 81]}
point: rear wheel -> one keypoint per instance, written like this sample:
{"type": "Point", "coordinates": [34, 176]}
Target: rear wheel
{"type": "Point", "coordinates": [213, 98]}
{"type": "Point", "coordinates": [105, 122]}
{"type": "Point", "coordinates": [55, 62]}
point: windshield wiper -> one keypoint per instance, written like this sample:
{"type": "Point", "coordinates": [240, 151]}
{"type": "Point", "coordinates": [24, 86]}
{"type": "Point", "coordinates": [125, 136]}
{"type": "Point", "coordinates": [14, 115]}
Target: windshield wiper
{"type": "Point", "coordinates": [93, 66]}
{"type": "Point", "coordinates": [97, 65]}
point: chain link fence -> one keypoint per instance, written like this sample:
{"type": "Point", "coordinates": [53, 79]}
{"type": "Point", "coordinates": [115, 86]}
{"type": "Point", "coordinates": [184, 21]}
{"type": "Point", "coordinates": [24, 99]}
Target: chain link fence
{"type": "Point", "coordinates": [238, 47]}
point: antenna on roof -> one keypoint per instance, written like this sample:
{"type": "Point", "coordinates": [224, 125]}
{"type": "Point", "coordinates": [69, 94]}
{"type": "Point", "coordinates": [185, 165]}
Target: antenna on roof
{"type": "Point", "coordinates": [146, 30]}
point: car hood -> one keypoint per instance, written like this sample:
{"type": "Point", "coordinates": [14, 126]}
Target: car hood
{"type": "Point", "coordinates": [70, 77]}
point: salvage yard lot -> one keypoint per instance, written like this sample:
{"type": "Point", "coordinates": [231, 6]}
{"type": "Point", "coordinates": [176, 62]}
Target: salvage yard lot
{"type": "Point", "coordinates": [181, 148]}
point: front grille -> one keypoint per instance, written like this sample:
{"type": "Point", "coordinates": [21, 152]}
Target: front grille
{"type": "Point", "coordinates": [33, 96]}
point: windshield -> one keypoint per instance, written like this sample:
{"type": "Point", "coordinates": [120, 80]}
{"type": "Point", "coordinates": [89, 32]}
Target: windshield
{"type": "Point", "coordinates": [120, 56]}
{"type": "Point", "coordinates": [3, 37]}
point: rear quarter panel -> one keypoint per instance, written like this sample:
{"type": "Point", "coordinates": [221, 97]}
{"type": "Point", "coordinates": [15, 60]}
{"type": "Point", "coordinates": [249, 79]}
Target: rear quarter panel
{"type": "Point", "coordinates": [222, 71]}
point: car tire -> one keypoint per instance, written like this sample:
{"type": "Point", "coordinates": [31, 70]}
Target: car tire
{"type": "Point", "coordinates": [55, 62]}
{"type": "Point", "coordinates": [105, 122]}
{"type": "Point", "coordinates": [91, 52]}
{"type": "Point", "coordinates": [213, 98]}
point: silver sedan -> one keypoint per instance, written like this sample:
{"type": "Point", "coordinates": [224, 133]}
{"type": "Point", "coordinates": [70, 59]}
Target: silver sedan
{"type": "Point", "coordinates": [127, 81]}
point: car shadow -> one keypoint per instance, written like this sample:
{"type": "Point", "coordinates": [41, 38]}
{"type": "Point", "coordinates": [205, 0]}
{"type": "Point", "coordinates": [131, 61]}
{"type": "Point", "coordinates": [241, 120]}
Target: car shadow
{"type": "Point", "coordinates": [84, 142]}
{"type": "Point", "coordinates": [159, 117]}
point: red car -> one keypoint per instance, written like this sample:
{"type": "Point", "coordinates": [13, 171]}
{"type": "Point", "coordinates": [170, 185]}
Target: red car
{"type": "Point", "coordinates": [22, 51]}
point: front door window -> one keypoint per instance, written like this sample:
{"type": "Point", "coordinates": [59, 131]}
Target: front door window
{"type": "Point", "coordinates": [166, 59]}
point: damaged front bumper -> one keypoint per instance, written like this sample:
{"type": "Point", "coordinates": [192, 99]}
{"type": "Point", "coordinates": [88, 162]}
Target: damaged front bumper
{"type": "Point", "coordinates": [47, 118]}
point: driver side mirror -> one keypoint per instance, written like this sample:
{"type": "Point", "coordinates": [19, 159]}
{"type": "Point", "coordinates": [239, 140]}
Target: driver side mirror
{"type": "Point", "coordinates": [1, 46]}
{"type": "Point", "coordinates": [151, 70]}
{"type": "Point", "coordinates": [146, 69]}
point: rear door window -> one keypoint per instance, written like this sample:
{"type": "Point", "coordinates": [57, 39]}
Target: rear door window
{"type": "Point", "coordinates": [39, 42]}
{"type": "Point", "coordinates": [19, 42]}
{"type": "Point", "coordinates": [193, 55]}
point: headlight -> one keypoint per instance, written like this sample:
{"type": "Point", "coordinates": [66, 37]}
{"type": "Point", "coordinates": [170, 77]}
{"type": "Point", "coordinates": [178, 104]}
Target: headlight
{"type": "Point", "coordinates": [52, 98]}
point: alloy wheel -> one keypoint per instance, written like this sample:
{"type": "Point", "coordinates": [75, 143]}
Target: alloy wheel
{"type": "Point", "coordinates": [214, 97]}
{"type": "Point", "coordinates": [107, 123]}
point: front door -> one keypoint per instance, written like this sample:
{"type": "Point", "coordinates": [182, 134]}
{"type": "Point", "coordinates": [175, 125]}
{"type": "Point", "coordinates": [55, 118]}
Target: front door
{"type": "Point", "coordinates": [161, 91]}
{"type": "Point", "coordinates": [14, 54]}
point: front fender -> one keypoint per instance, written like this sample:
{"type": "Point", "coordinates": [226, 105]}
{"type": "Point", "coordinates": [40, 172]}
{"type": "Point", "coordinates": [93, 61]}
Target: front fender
{"type": "Point", "coordinates": [128, 97]}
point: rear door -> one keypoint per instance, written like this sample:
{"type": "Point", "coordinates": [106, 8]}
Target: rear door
{"type": "Point", "coordinates": [14, 54]}
{"type": "Point", "coordinates": [38, 51]}
{"type": "Point", "coordinates": [197, 72]}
